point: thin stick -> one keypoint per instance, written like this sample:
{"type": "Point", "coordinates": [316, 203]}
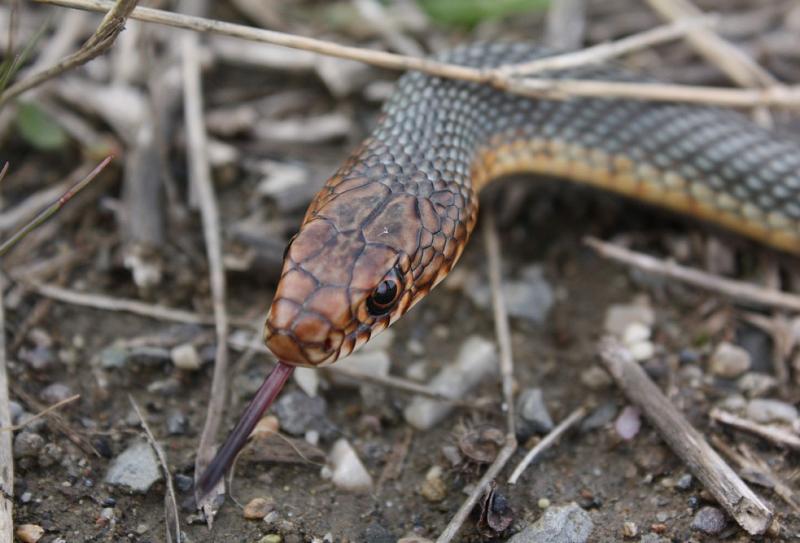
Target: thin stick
{"type": "Point", "coordinates": [103, 38]}
{"type": "Point", "coordinates": [389, 381]}
{"type": "Point", "coordinates": [719, 479]}
{"type": "Point", "coordinates": [501, 326]}
{"type": "Point", "coordinates": [774, 434]}
{"type": "Point", "coordinates": [200, 177]}
{"type": "Point", "coordinates": [606, 51]}
{"type": "Point", "coordinates": [170, 502]}
{"type": "Point", "coordinates": [546, 442]}
{"type": "Point", "coordinates": [40, 414]}
{"type": "Point", "coordinates": [6, 453]}
{"type": "Point", "coordinates": [727, 57]}
{"type": "Point", "coordinates": [506, 361]}
{"type": "Point", "coordinates": [785, 96]}
{"type": "Point", "coordinates": [127, 305]}
{"type": "Point", "coordinates": [503, 456]}
{"type": "Point", "coordinates": [54, 208]}
{"type": "Point", "coordinates": [737, 290]}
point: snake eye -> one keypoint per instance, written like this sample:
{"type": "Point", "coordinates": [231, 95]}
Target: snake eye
{"type": "Point", "coordinates": [382, 299]}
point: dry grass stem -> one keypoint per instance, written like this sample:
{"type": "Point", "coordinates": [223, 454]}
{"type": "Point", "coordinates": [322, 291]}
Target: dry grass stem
{"type": "Point", "coordinates": [774, 434]}
{"type": "Point", "coordinates": [728, 489]}
{"type": "Point", "coordinates": [200, 178]}
{"type": "Point", "coordinates": [6, 453]}
{"type": "Point", "coordinates": [607, 51]}
{"type": "Point", "coordinates": [503, 456]}
{"type": "Point", "coordinates": [127, 305]}
{"type": "Point", "coordinates": [103, 38]}
{"type": "Point", "coordinates": [171, 516]}
{"type": "Point", "coordinates": [546, 442]}
{"type": "Point", "coordinates": [779, 96]}
{"type": "Point", "coordinates": [736, 290]}
{"type": "Point", "coordinates": [40, 414]}
{"type": "Point", "coordinates": [501, 326]}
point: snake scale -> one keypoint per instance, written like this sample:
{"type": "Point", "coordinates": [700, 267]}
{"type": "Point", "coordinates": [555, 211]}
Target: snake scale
{"type": "Point", "coordinates": [394, 219]}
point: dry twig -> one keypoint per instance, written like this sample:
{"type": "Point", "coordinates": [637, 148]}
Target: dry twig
{"type": "Point", "coordinates": [200, 177]}
{"type": "Point", "coordinates": [170, 502]}
{"type": "Point", "coordinates": [773, 434]}
{"type": "Point", "coordinates": [737, 290]}
{"type": "Point", "coordinates": [103, 38]}
{"type": "Point", "coordinates": [503, 332]}
{"type": "Point", "coordinates": [40, 414]}
{"type": "Point", "coordinates": [719, 479]}
{"type": "Point", "coordinates": [6, 454]}
{"type": "Point", "coordinates": [572, 419]}
{"type": "Point", "coordinates": [781, 96]}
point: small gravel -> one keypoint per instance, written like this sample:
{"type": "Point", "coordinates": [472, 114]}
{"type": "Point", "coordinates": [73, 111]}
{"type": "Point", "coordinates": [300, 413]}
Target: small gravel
{"type": "Point", "coordinates": [709, 520]}
{"type": "Point", "coordinates": [768, 411]}
{"type": "Point", "coordinates": [136, 468]}
{"type": "Point", "coordinates": [532, 414]}
{"type": "Point", "coordinates": [558, 524]}
{"type": "Point", "coordinates": [729, 361]}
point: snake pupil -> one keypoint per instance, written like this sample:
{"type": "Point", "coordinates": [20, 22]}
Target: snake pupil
{"type": "Point", "coordinates": [383, 297]}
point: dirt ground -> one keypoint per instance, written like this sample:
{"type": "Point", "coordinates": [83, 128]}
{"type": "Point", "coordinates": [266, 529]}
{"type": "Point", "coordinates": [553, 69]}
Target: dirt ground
{"type": "Point", "coordinates": [60, 486]}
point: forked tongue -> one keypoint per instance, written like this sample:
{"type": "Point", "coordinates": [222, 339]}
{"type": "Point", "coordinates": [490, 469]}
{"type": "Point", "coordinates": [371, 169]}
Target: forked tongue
{"type": "Point", "coordinates": [226, 454]}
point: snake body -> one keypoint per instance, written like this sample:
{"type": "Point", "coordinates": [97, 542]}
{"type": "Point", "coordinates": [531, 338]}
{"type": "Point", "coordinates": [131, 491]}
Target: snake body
{"type": "Point", "coordinates": [394, 219]}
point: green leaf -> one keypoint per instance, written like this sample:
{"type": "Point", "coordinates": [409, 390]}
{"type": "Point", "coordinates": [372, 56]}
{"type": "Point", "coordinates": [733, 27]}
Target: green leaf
{"type": "Point", "coordinates": [470, 12]}
{"type": "Point", "coordinates": [39, 129]}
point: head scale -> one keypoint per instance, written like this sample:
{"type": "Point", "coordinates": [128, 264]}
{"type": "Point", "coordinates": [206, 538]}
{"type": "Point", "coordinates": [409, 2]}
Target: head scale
{"type": "Point", "coordinates": [363, 256]}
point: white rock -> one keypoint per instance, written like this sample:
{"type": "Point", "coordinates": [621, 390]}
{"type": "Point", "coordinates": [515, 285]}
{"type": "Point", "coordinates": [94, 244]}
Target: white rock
{"type": "Point", "coordinates": [643, 350]}
{"type": "Point", "coordinates": [755, 384]}
{"type": "Point", "coordinates": [185, 357]}
{"type": "Point", "coordinates": [766, 410]}
{"type": "Point", "coordinates": [729, 361]}
{"type": "Point", "coordinates": [620, 316]}
{"type": "Point", "coordinates": [308, 380]}
{"type": "Point", "coordinates": [596, 378]}
{"type": "Point", "coordinates": [476, 362]}
{"type": "Point", "coordinates": [417, 371]}
{"type": "Point", "coordinates": [347, 471]}
{"type": "Point", "coordinates": [636, 332]}
{"type": "Point", "coordinates": [370, 362]}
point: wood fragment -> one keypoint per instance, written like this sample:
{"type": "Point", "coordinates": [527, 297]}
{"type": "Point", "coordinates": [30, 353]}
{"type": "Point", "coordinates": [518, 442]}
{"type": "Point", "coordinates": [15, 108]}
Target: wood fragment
{"type": "Point", "coordinates": [6, 452]}
{"type": "Point", "coordinates": [774, 434]}
{"type": "Point", "coordinates": [749, 511]}
{"type": "Point", "coordinates": [737, 290]}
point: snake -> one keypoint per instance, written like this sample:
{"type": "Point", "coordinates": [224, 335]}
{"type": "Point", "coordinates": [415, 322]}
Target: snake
{"type": "Point", "coordinates": [393, 220]}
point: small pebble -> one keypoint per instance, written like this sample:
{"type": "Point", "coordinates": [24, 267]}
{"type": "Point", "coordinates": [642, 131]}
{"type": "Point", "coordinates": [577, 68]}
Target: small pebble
{"type": "Point", "coordinates": [39, 358]}
{"type": "Point", "coordinates": [767, 410]}
{"type": "Point", "coordinates": [475, 363]}
{"type": "Point", "coordinates": [55, 393]}
{"type": "Point", "coordinates": [599, 417]}
{"type": "Point", "coordinates": [30, 533]}
{"type": "Point", "coordinates": [16, 411]}
{"type": "Point", "coordinates": [729, 361]}
{"type": "Point", "coordinates": [177, 423]}
{"type": "Point", "coordinates": [307, 379]}
{"type": "Point", "coordinates": [620, 317]}
{"type": "Point", "coordinates": [270, 538]}
{"type": "Point", "coordinates": [433, 488]}
{"type": "Point", "coordinates": [628, 423]}
{"type": "Point", "coordinates": [596, 378]}
{"type": "Point", "coordinates": [533, 416]}
{"type": "Point", "coordinates": [185, 357]}
{"type": "Point", "coordinates": [376, 533]}
{"type": "Point", "coordinates": [685, 481]}
{"type": "Point", "coordinates": [629, 529]}
{"type": "Point", "coordinates": [299, 413]}
{"type": "Point", "coordinates": [348, 472]}
{"type": "Point", "coordinates": [543, 503]}
{"type": "Point", "coordinates": [643, 350]}
{"type": "Point", "coordinates": [562, 524]}
{"type": "Point", "coordinates": [636, 332]}
{"type": "Point", "coordinates": [26, 497]}
{"type": "Point", "coordinates": [136, 468]}
{"type": "Point", "coordinates": [755, 385]}
{"type": "Point", "coordinates": [709, 520]}
{"type": "Point", "coordinates": [27, 445]}
{"type": "Point", "coordinates": [257, 509]}
{"type": "Point", "coordinates": [183, 483]}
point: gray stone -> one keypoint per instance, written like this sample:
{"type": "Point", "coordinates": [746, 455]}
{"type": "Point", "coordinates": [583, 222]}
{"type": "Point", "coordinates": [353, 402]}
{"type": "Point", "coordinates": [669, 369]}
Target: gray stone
{"type": "Point", "coordinates": [177, 423]}
{"type": "Point", "coordinates": [39, 358]}
{"type": "Point", "coordinates": [529, 297]}
{"type": "Point", "coordinates": [729, 361]}
{"type": "Point", "coordinates": [55, 393]}
{"type": "Point", "coordinates": [16, 411]}
{"type": "Point", "coordinates": [136, 468]}
{"type": "Point", "coordinates": [375, 533]}
{"type": "Point", "coordinates": [619, 317]}
{"type": "Point", "coordinates": [653, 538]}
{"type": "Point", "coordinates": [298, 413]}
{"type": "Point", "coordinates": [709, 520]}
{"type": "Point", "coordinates": [755, 384]}
{"type": "Point", "coordinates": [532, 414]}
{"type": "Point", "coordinates": [559, 524]}
{"type": "Point", "coordinates": [27, 445]}
{"type": "Point", "coordinates": [599, 417]}
{"type": "Point", "coordinates": [685, 481]}
{"type": "Point", "coordinates": [767, 410]}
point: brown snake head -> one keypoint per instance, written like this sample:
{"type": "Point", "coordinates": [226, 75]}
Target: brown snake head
{"type": "Point", "coordinates": [367, 251]}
